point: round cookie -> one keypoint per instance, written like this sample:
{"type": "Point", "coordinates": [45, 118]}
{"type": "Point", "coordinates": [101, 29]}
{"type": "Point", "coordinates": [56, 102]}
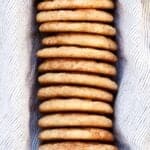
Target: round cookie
{"type": "Point", "coordinates": [74, 120]}
{"type": "Point", "coordinates": [77, 79]}
{"type": "Point", "coordinates": [74, 91]}
{"type": "Point", "coordinates": [97, 28]}
{"type": "Point", "coordinates": [74, 15]}
{"type": "Point", "coordinates": [80, 105]}
{"type": "Point", "coordinates": [78, 39]}
{"type": "Point", "coordinates": [77, 146]}
{"type": "Point", "coordinates": [75, 4]}
{"type": "Point", "coordinates": [77, 65]}
{"type": "Point", "coordinates": [76, 134]}
{"type": "Point", "coordinates": [76, 52]}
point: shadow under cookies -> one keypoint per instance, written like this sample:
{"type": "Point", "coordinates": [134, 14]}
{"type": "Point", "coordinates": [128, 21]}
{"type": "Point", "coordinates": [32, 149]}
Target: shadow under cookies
{"type": "Point", "coordinates": [34, 114]}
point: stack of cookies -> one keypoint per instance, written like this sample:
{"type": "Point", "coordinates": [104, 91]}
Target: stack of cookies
{"type": "Point", "coordinates": [76, 74]}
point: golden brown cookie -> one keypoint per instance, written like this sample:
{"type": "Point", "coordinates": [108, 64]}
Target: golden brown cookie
{"type": "Point", "coordinates": [74, 120]}
{"type": "Point", "coordinates": [77, 146]}
{"type": "Point", "coordinates": [71, 65]}
{"type": "Point", "coordinates": [76, 134]}
{"type": "Point", "coordinates": [74, 91]}
{"type": "Point", "coordinates": [97, 28]}
{"type": "Point", "coordinates": [76, 52]}
{"type": "Point", "coordinates": [75, 4]}
{"type": "Point", "coordinates": [77, 79]}
{"type": "Point", "coordinates": [75, 105]}
{"type": "Point", "coordinates": [78, 39]}
{"type": "Point", "coordinates": [74, 15]}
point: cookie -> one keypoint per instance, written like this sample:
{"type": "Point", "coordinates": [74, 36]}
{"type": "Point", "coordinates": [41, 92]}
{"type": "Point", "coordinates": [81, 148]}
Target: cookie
{"type": "Point", "coordinates": [96, 28]}
{"type": "Point", "coordinates": [74, 91]}
{"type": "Point", "coordinates": [77, 79]}
{"type": "Point", "coordinates": [75, 4]}
{"type": "Point", "coordinates": [74, 120]}
{"type": "Point", "coordinates": [74, 15]}
{"type": "Point", "coordinates": [78, 39]}
{"type": "Point", "coordinates": [76, 146]}
{"type": "Point", "coordinates": [74, 104]}
{"type": "Point", "coordinates": [76, 52]}
{"type": "Point", "coordinates": [76, 134]}
{"type": "Point", "coordinates": [77, 65]}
